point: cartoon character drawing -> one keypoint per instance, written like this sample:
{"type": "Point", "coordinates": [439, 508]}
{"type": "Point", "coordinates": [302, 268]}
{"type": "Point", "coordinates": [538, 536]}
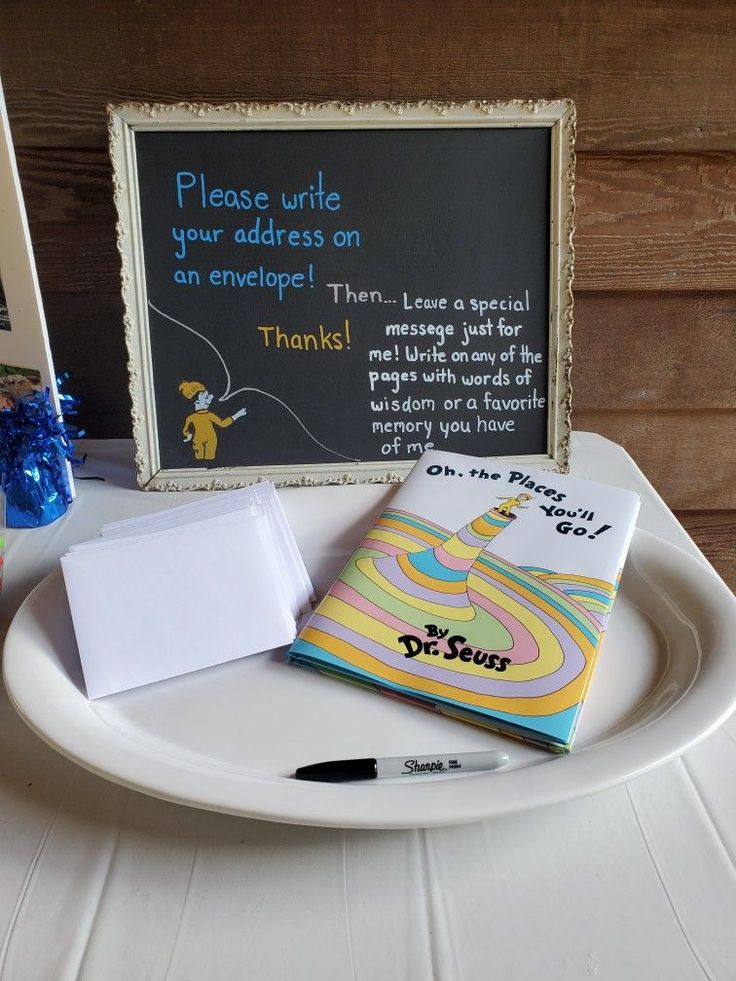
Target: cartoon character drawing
{"type": "Point", "coordinates": [202, 422]}
{"type": "Point", "coordinates": [509, 503]}
{"type": "Point", "coordinates": [230, 391]}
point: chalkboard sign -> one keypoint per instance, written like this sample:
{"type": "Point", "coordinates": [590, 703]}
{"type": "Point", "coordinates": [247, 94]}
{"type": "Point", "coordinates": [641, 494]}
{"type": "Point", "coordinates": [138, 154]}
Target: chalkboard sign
{"type": "Point", "coordinates": [318, 293]}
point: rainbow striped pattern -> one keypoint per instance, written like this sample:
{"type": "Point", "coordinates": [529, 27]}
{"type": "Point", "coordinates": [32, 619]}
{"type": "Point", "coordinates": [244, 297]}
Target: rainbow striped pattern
{"type": "Point", "coordinates": [409, 574]}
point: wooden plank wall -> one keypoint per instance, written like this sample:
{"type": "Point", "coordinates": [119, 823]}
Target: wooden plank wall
{"type": "Point", "coordinates": [654, 82]}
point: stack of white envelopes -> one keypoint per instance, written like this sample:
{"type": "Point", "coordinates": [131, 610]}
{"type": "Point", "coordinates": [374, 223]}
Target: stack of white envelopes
{"type": "Point", "coordinates": [167, 593]}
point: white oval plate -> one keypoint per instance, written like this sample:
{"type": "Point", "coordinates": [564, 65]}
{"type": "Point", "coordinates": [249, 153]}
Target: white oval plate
{"type": "Point", "coordinates": [227, 738]}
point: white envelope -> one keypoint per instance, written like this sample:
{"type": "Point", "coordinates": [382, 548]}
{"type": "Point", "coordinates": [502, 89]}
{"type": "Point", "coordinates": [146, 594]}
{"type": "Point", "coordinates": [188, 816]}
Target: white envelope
{"type": "Point", "coordinates": [151, 607]}
{"type": "Point", "coordinates": [257, 498]}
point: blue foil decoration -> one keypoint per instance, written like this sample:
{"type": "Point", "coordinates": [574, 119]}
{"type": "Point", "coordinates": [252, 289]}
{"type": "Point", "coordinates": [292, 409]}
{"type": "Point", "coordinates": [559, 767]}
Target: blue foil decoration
{"type": "Point", "coordinates": [35, 444]}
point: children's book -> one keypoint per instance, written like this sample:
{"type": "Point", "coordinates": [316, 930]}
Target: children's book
{"type": "Point", "coordinates": [482, 592]}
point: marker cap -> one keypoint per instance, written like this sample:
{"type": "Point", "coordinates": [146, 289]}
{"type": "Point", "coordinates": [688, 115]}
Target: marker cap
{"type": "Point", "coordinates": [337, 771]}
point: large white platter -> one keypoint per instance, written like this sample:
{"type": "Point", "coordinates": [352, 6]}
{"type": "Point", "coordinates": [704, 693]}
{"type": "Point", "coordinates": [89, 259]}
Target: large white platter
{"type": "Point", "coordinates": [228, 738]}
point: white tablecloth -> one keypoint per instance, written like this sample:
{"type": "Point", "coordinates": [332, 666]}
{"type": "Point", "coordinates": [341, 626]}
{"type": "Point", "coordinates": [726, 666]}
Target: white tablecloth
{"type": "Point", "coordinates": [99, 882]}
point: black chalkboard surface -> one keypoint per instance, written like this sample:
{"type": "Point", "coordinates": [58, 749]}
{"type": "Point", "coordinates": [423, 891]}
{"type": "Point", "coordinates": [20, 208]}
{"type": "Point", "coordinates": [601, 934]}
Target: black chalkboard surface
{"type": "Point", "coordinates": [337, 300]}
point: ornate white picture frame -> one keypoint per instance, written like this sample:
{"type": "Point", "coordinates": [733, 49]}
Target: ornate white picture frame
{"type": "Point", "coordinates": [558, 116]}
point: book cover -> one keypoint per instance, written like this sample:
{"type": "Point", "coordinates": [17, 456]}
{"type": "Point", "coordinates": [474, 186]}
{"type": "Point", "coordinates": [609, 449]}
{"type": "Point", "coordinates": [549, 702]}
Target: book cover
{"type": "Point", "coordinates": [483, 592]}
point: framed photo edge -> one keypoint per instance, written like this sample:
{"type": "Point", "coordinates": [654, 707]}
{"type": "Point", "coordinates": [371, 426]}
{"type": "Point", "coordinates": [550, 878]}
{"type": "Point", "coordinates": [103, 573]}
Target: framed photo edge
{"type": "Point", "coordinates": [125, 120]}
{"type": "Point", "coordinates": [26, 344]}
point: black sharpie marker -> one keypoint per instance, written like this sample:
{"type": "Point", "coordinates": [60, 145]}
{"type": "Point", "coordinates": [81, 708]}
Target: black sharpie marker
{"type": "Point", "coordinates": [340, 771]}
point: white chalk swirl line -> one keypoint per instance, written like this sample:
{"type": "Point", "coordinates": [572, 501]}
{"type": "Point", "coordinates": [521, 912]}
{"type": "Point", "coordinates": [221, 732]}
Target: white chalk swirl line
{"type": "Point", "coordinates": [227, 394]}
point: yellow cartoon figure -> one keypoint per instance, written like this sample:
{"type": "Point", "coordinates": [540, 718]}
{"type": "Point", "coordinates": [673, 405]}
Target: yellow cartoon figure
{"type": "Point", "coordinates": [202, 421]}
{"type": "Point", "coordinates": [507, 504]}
